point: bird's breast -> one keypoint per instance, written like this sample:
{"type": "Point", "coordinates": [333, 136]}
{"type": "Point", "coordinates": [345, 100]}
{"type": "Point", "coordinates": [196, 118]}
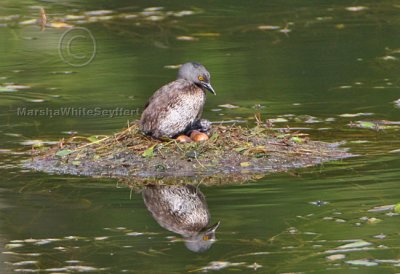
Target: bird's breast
{"type": "Point", "coordinates": [187, 105]}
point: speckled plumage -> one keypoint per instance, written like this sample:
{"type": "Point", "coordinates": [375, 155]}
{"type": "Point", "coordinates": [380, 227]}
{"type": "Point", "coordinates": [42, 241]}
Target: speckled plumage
{"type": "Point", "coordinates": [177, 106]}
{"type": "Point", "coordinates": [182, 209]}
{"type": "Point", "coordinates": [173, 109]}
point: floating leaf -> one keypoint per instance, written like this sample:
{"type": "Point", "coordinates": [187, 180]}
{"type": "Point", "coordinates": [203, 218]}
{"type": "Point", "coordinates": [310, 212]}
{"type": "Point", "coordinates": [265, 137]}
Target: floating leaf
{"type": "Point", "coordinates": [134, 234]}
{"type": "Point", "coordinates": [357, 244]}
{"type": "Point", "coordinates": [268, 27]}
{"type": "Point", "coordinates": [29, 22]}
{"type": "Point", "coordinates": [207, 34]}
{"type": "Point", "coordinates": [98, 12]}
{"type": "Point", "coordinates": [296, 139]}
{"type": "Point", "coordinates": [129, 16]}
{"type": "Point", "coordinates": [172, 66]}
{"type": "Point", "coordinates": [37, 143]}
{"type": "Point", "coordinates": [373, 221]}
{"type": "Point", "coordinates": [285, 30]}
{"type": "Point", "coordinates": [74, 268]}
{"type": "Point", "coordinates": [183, 13]}
{"type": "Point", "coordinates": [72, 261]}
{"type": "Point", "coordinates": [336, 257]}
{"type": "Point", "coordinates": [380, 236]}
{"type": "Point", "coordinates": [364, 124]}
{"type": "Point", "coordinates": [363, 262]}
{"type": "Point", "coordinates": [254, 266]}
{"type": "Point", "coordinates": [6, 89]}
{"type": "Point", "coordinates": [186, 38]}
{"type": "Point", "coordinates": [149, 152]}
{"type": "Point", "coordinates": [17, 87]}
{"type": "Point", "coordinates": [388, 58]}
{"type": "Point", "coordinates": [45, 241]}
{"type": "Point", "coordinates": [218, 265]}
{"type": "Point", "coordinates": [74, 17]}
{"type": "Point", "coordinates": [22, 263]}
{"type": "Point", "coordinates": [278, 120]}
{"type": "Point", "coordinates": [245, 164]}
{"type": "Point", "coordinates": [9, 17]}
{"type": "Point", "coordinates": [101, 238]}
{"type": "Point", "coordinates": [282, 136]}
{"type": "Point", "coordinates": [155, 18]}
{"type": "Point", "coordinates": [228, 106]}
{"type": "Point", "coordinates": [152, 9]}
{"type": "Point", "coordinates": [356, 8]}
{"type": "Point", "coordinates": [350, 115]}
{"type": "Point", "coordinates": [100, 18]}
{"type": "Point", "coordinates": [63, 72]}
{"type": "Point", "coordinates": [10, 246]}
{"type": "Point", "coordinates": [93, 138]}
{"type": "Point", "coordinates": [58, 25]}
{"type": "Point", "coordinates": [36, 100]}
{"type": "Point", "coordinates": [340, 26]}
{"type": "Point", "coordinates": [360, 142]}
{"type": "Point", "coordinates": [64, 152]}
{"type": "Point", "coordinates": [319, 203]}
{"type": "Point", "coordinates": [397, 208]}
{"type": "Point", "coordinates": [397, 103]}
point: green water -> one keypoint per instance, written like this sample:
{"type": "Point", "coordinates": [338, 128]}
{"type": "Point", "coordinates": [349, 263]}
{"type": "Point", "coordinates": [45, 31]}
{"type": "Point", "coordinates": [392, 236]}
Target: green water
{"type": "Point", "coordinates": [326, 59]}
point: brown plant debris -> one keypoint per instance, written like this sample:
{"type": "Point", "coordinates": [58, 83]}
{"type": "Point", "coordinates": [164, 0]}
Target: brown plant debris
{"type": "Point", "coordinates": [232, 151]}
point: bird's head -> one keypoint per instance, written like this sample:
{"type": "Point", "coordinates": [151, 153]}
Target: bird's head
{"type": "Point", "coordinates": [197, 74]}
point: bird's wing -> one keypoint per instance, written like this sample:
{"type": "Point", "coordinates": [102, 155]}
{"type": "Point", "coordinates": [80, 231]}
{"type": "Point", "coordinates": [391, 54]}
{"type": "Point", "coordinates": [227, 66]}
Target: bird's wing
{"type": "Point", "coordinates": [164, 93]}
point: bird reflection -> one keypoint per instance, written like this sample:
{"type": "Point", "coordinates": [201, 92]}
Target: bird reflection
{"type": "Point", "coordinates": [182, 209]}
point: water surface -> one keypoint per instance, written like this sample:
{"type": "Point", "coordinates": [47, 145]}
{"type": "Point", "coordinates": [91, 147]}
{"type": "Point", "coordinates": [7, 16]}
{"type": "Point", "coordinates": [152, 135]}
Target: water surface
{"type": "Point", "coordinates": [307, 62]}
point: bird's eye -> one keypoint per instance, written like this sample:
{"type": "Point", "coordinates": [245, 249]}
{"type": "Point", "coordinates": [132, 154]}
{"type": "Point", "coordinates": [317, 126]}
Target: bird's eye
{"type": "Point", "coordinates": [205, 237]}
{"type": "Point", "coordinates": [201, 78]}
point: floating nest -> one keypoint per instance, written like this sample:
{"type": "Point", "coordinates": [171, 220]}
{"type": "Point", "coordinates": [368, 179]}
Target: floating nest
{"type": "Point", "coordinates": [232, 154]}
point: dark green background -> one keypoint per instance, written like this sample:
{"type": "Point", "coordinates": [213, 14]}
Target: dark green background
{"type": "Point", "coordinates": [299, 73]}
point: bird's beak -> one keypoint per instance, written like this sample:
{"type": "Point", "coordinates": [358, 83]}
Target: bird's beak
{"type": "Point", "coordinates": [213, 228]}
{"type": "Point", "coordinates": [208, 87]}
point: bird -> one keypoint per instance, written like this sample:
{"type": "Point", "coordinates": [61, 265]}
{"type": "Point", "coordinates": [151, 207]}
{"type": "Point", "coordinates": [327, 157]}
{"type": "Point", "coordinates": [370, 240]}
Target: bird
{"type": "Point", "coordinates": [182, 209]}
{"type": "Point", "coordinates": [177, 107]}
